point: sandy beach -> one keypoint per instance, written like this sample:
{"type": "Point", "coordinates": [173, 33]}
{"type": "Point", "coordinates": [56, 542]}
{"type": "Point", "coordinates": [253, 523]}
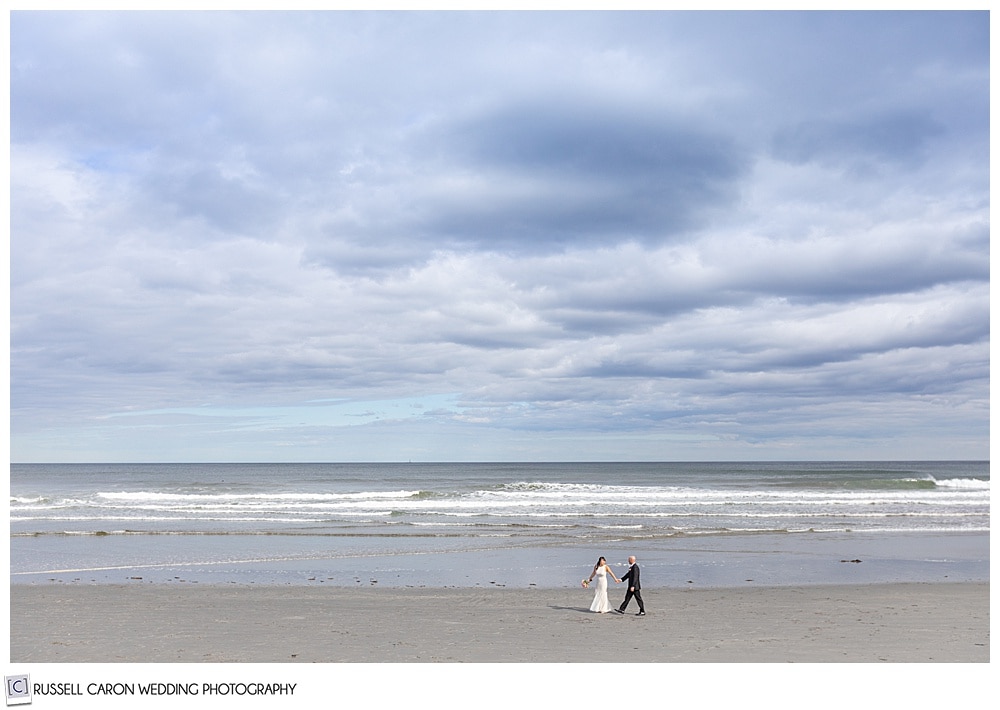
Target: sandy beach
{"type": "Point", "coordinates": [894, 623]}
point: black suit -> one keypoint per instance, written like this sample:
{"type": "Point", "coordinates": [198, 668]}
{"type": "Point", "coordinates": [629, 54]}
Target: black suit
{"type": "Point", "coordinates": [631, 579]}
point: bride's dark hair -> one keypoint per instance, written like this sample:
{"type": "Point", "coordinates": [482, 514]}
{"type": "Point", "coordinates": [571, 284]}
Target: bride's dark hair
{"type": "Point", "coordinates": [599, 562]}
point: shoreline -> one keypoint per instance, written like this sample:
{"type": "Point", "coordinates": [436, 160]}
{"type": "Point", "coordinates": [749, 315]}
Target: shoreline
{"type": "Point", "coordinates": [683, 562]}
{"type": "Point", "coordinates": [940, 622]}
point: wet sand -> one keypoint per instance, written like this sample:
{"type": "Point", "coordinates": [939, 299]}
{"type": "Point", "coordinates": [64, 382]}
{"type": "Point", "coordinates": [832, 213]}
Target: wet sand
{"type": "Point", "coordinates": [894, 623]}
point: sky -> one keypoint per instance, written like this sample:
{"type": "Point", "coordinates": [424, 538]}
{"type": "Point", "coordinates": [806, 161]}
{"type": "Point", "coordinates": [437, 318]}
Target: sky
{"type": "Point", "coordinates": [436, 236]}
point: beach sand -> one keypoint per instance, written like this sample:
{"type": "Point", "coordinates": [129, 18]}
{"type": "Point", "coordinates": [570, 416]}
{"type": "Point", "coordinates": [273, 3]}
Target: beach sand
{"type": "Point", "coordinates": [145, 623]}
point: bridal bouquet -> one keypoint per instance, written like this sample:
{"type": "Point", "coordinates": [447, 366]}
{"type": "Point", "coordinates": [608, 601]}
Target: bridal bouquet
{"type": "Point", "coordinates": [585, 583]}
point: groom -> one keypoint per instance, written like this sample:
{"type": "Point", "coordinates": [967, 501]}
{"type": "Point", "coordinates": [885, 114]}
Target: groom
{"type": "Point", "coordinates": [632, 578]}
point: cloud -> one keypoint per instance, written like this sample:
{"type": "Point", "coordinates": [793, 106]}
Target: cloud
{"type": "Point", "coordinates": [564, 173]}
{"type": "Point", "coordinates": [501, 235]}
{"type": "Point", "coordinates": [900, 141]}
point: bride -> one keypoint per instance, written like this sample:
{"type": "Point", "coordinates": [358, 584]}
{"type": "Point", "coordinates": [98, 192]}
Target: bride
{"type": "Point", "coordinates": [601, 570]}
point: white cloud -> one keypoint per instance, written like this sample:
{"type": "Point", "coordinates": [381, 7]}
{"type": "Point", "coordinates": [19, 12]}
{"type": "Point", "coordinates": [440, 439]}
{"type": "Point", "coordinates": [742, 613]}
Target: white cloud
{"type": "Point", "coordinates": [568, 235]}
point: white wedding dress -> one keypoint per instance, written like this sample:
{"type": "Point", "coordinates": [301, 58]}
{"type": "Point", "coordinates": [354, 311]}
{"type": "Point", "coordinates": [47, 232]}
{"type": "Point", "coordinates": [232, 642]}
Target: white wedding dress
{"type": "Point", "coordinates": [601, 603]}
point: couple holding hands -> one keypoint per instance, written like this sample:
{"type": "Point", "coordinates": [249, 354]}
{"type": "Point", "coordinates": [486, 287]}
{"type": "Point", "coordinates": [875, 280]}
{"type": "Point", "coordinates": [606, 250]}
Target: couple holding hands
{"type": "Point", "coordinates": [601, 570]}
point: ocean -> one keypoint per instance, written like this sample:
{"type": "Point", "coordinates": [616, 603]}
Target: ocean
{"type": "Point", "coordinates": [517, 525]}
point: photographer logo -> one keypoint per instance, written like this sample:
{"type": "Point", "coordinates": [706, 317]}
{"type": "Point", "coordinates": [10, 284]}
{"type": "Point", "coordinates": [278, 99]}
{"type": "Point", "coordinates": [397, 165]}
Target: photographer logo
{"type": "Point", "coordinates": [18, 689]}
